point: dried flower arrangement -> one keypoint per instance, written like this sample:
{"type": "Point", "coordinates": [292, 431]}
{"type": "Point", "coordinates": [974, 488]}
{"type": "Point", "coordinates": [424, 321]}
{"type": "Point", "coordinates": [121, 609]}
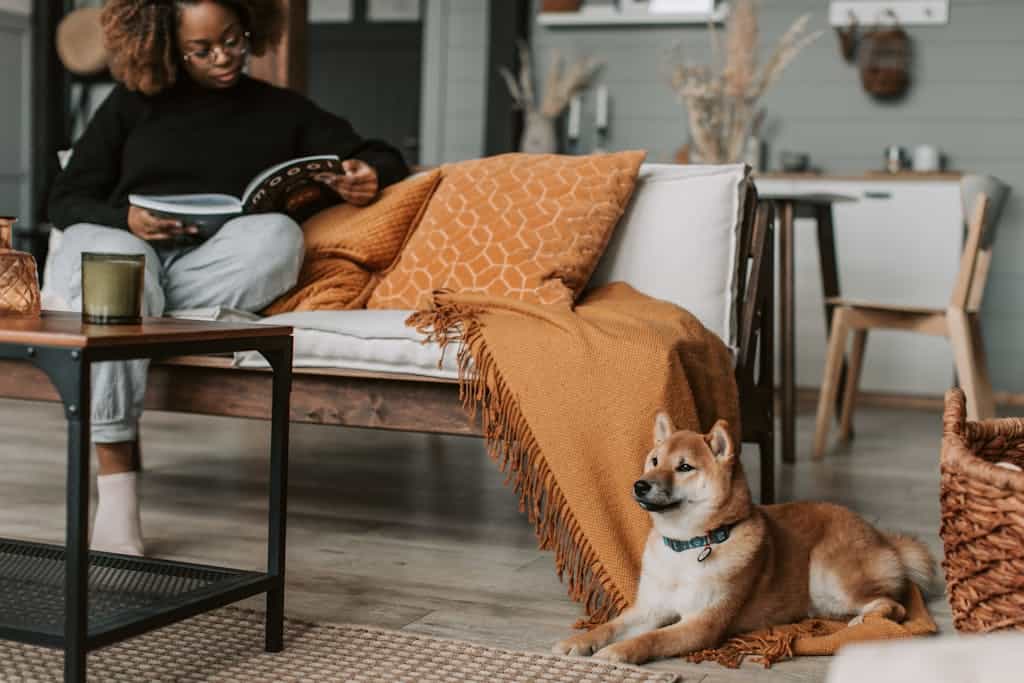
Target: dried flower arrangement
{"type": "Point", "coordinates": [721, 99]}
{"type": "Point", "coordinates": [559, 87]}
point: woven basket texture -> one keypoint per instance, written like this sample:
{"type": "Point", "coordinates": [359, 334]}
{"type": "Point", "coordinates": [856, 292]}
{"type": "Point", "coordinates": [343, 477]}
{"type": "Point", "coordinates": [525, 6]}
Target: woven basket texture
{"type": "Point", "coordinates": [19, 283]}
{"type": "Point", "coordinates": [982, 519]}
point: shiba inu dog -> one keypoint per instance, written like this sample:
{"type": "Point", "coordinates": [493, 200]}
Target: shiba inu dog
{"type": "Point", "coordinates": [716, 565]}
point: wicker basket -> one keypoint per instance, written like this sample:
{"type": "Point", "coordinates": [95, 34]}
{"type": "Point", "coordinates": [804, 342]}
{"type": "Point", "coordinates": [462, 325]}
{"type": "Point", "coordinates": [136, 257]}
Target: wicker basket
{"type": "Point", "coordinates": [982, 519]}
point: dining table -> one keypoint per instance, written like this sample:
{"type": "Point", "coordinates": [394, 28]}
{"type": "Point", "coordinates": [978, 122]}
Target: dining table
{"type": "Point", "coordinates": [789, 206]}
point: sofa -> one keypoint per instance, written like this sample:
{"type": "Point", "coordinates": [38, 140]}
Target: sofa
{"type": "Point", "coordinates": [693, 235]}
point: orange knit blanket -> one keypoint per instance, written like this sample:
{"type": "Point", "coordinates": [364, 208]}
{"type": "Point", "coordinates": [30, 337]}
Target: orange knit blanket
{"type": "Point", "coordinates": [567, 399]}
{"type": "Point", "coordinates": [818, 636]}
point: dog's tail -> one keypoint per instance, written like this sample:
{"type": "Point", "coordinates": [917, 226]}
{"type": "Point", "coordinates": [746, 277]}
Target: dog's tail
{"type": "Point", "coordinates": [918, 562]}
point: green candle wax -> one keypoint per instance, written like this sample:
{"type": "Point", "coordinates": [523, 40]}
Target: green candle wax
{"type": "Point", "coordinates": [112, 288]}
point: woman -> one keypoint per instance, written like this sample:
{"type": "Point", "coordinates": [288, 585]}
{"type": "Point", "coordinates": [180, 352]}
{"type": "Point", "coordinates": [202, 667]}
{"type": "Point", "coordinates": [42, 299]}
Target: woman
{"type": "Point", "coordinates": [185, 118]}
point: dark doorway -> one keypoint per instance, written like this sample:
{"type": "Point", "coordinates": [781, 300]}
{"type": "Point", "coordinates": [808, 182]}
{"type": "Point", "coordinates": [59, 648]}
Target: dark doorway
{"type": "Point", "coordinates": [369, 73]}
{"type": "Point", "coordinates": [509, 26]}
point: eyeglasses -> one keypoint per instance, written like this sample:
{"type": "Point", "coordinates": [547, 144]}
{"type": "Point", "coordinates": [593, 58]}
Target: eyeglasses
{"type": "Point", "coordinates": [233, 46]}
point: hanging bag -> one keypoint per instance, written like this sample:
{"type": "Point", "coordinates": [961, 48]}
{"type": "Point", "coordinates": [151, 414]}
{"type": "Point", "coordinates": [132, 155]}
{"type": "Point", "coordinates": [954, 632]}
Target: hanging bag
{"type": "Point", "coordinates": [884, 59]}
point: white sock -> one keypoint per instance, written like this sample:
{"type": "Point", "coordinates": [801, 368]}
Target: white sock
{"type": "Point", "coordinates": [118, 528]}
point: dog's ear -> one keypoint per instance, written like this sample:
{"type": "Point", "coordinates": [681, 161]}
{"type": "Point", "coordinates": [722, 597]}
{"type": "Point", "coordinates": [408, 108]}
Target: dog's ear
{"type": "Point", "coordinates": [663, 427]}
{"type": "Point", "coordinates": [719, 440]}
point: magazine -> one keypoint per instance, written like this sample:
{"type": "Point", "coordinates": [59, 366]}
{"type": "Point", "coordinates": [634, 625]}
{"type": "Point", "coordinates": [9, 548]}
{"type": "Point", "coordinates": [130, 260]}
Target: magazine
{"type": "Point", "coordinates": [289, 187]}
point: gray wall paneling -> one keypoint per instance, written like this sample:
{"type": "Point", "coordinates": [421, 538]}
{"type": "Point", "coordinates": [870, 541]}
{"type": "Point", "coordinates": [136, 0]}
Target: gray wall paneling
{"type": "Point", "coordinates": [15, 115]}
{"type": "Point", "coordinates": [454, 80]}
{"type": "Point", "coordinates": [967, 97]}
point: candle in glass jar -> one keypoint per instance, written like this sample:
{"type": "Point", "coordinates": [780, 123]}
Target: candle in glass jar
{"type": "Point", "coordinates": [574, 118]}
{"type": "Point", "coordinates": [112, 286]}
{"type": "Point", "coordinates": [601, 119]}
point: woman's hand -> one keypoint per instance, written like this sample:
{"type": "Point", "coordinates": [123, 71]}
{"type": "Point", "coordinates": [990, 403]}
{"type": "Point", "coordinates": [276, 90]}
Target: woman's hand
{"type": "Point", "coordinates": [153, 228]}
{"type": "Point", "coordinates": [358, 185]}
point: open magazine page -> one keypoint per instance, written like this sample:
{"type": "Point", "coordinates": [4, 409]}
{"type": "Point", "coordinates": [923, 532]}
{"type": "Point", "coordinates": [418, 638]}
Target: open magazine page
{"type": "Point", "coordinates": [291, 188]}
{"type": "Point", "coordinates": [208, 212]}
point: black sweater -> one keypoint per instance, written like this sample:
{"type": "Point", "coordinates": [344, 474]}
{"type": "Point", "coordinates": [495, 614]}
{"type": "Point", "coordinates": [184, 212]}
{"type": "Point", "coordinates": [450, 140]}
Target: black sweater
{"type": "Point", "coordinates": [195, 139]}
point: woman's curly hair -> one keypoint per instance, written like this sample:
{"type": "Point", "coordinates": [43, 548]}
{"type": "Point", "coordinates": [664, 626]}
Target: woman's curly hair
{"type": "Point", "coordinates": [141, 37]}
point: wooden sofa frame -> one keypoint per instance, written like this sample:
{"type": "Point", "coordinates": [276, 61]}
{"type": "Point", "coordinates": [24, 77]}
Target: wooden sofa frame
{"type": "Point", "coordinates": [211, 386]}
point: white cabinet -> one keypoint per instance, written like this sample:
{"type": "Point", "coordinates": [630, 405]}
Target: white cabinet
{"type": "Point", "coordinates": [898, 243]}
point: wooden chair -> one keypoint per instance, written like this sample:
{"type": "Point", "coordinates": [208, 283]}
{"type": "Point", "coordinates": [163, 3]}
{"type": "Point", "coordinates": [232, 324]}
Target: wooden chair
{"type": "Point", "coordinates": [982, 198]}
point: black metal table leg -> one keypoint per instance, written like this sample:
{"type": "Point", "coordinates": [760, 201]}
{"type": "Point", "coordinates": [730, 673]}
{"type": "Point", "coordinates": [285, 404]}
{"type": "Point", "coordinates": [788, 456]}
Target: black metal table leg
{"type": "Point", "coordinates": [281, 362]}
{"type": "Point", "coordinates": [787, 325]}
{"type": "Point", "coordinates": [69, 370]}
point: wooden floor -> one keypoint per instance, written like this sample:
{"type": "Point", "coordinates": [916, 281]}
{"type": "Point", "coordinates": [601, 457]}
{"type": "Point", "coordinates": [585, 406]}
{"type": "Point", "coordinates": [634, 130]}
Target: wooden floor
{"type": "Point", "coordinates": [416, 532]}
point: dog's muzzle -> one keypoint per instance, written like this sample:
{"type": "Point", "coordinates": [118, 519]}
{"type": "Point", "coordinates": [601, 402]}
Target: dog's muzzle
{"type": "Point", "coordinates": [649, 498]}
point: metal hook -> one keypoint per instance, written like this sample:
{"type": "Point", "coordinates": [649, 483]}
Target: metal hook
{"type": "Point", "coordinates": [890, 13]}
{"type": "Point", "coordinates": [848, 37]}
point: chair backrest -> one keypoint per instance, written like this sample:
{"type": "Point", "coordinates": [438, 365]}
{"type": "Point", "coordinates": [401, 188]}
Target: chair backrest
{"type": "Point", "coordinates": [983, 198]}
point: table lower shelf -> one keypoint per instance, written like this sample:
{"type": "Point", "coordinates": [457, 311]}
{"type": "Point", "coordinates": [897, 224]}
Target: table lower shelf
{"type": "Point", "coordinates": [127, 595]}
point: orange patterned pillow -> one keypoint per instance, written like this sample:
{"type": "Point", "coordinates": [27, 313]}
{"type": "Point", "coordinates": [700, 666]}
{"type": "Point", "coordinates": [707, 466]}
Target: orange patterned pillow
{"type": "Point", "coordinates": [529, 227]}
{"type": "Point", "coordinates": [326, 284]}
{"type": "Point", "coordinates": [371, 235]}
{"type": "Point", "coordinates": [347, 245]}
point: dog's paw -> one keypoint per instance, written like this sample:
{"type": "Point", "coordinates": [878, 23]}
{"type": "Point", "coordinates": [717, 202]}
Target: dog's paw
{"type": "Point", "coordinates": [576, 646]}
{"type": "Point", "coordinates": [619, 654]}
{"type": "Point", "coordinates": [859, 619]}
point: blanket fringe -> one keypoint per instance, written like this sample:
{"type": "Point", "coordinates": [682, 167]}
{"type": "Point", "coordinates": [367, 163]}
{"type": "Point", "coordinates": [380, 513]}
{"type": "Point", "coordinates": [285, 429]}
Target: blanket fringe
{"type": "Point", "coordinates": [511, 444]}
{"type": "Point", "coordinates": [764, 647]}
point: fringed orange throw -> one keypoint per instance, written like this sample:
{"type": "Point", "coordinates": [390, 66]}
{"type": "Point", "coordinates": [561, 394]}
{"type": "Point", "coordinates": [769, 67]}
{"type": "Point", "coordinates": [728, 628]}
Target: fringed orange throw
{"type": "Point", "coordinates": [818, 636]}
{"type": "Point", "coordinates": [567, 400]}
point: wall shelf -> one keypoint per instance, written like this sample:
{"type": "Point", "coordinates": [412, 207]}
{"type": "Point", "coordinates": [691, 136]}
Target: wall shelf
{"type": "Point", "coordinates": [609, 16]}
{"type": "Point", "coordinates": [903, 12]}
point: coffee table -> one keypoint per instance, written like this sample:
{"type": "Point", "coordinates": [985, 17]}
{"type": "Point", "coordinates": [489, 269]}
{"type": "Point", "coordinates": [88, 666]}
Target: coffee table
{"type": "Point", "coordinates": [76, 600]}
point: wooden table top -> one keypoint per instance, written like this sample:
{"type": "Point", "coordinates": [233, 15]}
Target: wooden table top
{"type": "Point", "coordinates": [806, 197]}
{"type": "Point", "coordinates": [902, 176]}
{"type": "Point", "coordinates": [59, 328]}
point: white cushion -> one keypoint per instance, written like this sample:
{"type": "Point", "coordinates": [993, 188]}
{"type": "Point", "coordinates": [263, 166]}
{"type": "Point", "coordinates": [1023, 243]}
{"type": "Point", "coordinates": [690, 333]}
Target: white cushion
{"type": "Point", "coordinates": [222, 314]}
{"type": "Point", "coordinates": [992, 658]}
{"type": "Point", "coordinates": [369, 340]}
{"type": "Point", "coordinates": [679, 240]}
{"type": "Point", "coordinates": [366, 340]}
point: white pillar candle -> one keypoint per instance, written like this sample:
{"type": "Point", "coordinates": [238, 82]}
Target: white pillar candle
{"type": "Point", "coordinates": [574, 117]}
{"type": "Point", "coordinates": [602, 106]}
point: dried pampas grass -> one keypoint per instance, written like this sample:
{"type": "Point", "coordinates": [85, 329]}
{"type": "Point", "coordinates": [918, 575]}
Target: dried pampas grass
{"type": "Point", "coordinates": [721, 98]}
{"type": "Point", "coordinates": [559, 86]}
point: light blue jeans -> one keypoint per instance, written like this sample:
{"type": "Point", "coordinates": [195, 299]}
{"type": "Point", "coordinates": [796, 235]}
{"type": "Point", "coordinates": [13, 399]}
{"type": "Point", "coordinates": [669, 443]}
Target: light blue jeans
{"type": "Point", "coordinates": [250, 262]}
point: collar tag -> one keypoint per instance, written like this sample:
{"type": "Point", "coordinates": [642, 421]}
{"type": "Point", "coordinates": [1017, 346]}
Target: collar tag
{"type": "Point", "coordinates": [704, 553]}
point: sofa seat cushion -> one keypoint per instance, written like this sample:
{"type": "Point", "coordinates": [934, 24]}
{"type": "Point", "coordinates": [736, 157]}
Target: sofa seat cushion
{"type": "Point", "coordinates": [365, 340]}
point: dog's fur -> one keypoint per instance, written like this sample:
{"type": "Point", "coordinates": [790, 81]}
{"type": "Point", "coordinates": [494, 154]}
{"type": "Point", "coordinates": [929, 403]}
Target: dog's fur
{"type": "Point", "coordinates": [780, 564]}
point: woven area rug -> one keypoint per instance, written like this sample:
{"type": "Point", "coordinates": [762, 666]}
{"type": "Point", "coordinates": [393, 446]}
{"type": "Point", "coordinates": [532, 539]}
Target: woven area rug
{"type": "Point", "coordinates": [226, 646]}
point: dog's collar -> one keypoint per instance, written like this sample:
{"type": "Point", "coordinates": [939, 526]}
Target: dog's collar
{"type": "Point", "coordinates": [719, 535]}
